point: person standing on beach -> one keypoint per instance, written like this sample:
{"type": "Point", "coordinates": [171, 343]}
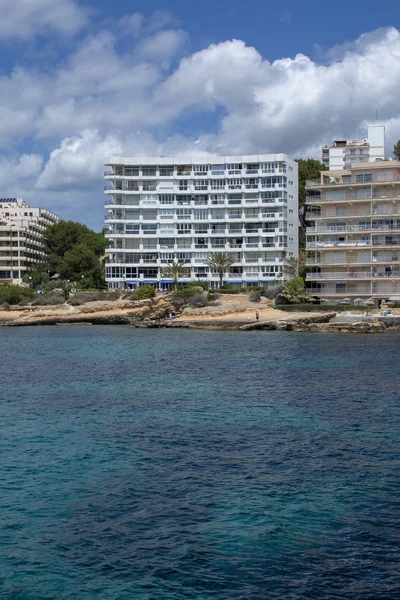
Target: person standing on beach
{"type": "Point", "coordinates": [249, 318]}
{"type": "Point", "coordinates": [257, 316]}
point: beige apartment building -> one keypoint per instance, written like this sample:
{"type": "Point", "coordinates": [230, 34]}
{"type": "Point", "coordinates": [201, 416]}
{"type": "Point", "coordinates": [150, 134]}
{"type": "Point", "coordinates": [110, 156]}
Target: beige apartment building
{"type": "Point", "coordinates": [353, 237]}
{"type": "Point", "coordinates": [21, 233]}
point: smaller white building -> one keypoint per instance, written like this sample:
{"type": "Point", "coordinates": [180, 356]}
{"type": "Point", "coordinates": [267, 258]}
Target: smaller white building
{"type": "Point", "coordinates": [342, 154]}
{"type": "Point", "coordinates": [21, 238]}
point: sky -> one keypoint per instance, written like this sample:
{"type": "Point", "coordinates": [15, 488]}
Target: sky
{"type": "Point", "coordinates": [81, 81]}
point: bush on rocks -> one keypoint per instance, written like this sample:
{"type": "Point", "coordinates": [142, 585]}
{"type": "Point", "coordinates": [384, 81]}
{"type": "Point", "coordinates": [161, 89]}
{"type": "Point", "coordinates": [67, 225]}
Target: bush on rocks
{"type": "Point", "coordinates": [144, 292]}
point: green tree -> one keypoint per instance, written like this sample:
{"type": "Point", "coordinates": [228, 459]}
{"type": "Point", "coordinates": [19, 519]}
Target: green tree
{"type": "Point", "coordinates": [291, 267]}
{"type": "Point", "coordinates": [294, 288]}
{"type": "Point", "coordinates": [174, 271]}
{"type": "Point", "coordinates": [80, 261]}
{"type": "Point", "coordinates": [221, 262]}
{"type": "Point", "coordinates": [64, 236]}
{"type": "Point", "coordinates": [396, 150]}
{"type": "Point", "coordinates": [37, 278]}
{"type": "Point", "coordinates": [309, 168]}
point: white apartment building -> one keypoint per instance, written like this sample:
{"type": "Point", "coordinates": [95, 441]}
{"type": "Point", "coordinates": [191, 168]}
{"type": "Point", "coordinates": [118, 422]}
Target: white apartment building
{"type": "Point", "coordinates": [353, 240]}
{"type": "Point", "coordinates": [162, 210]}
{"type": "Point", "coordinates": [344, 153]}
{"type": "Point", "coordinates": [21, 232]}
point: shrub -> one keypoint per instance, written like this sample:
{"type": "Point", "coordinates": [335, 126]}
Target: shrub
{"type": "Point", "coordinates": [144, 292]}
{"type": "Point", "coordinates": [198, 300]}
{"type": "Point", "coordinates": [49, 298]}
{"type": "Point", "coordinates": [232, 289]}
{"type": "Point", "coordinates": [186, 291]}
{"type": "Point", "coordinates": [294, 288]}
{"type": "Point", "coordinates": [14, 294]}
{"type": "Point", "coordinates": [255, 296]}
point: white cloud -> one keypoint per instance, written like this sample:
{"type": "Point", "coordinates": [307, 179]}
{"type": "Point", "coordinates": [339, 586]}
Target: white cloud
{"type": "Point", "coordinates": [161, 46]}
{"type": "Point", "coordinates": [27, 18]}
{"type": "Point", "coordinates": [103, 101]}
{"type": "Point", "coordinates": [16, 173]}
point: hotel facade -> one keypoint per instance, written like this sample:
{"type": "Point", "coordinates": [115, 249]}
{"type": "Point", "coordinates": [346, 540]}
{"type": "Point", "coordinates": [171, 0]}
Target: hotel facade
{"type": "Point", "coordinates": [342, 154]}
{"type": "Point", "coordinates": [21, 238]}
{"type": "Point", "coordinates": [353, 237]}
{"type": "Point", "coordinates": [165, 210]}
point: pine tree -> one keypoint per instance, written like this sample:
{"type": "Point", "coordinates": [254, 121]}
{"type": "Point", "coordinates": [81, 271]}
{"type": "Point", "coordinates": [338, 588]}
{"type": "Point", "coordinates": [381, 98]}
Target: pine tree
{"type": "Point", "coordinates": [396, 150]}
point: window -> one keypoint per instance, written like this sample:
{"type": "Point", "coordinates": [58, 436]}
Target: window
{"type": "Point", "coordinates": [235, 184]}
{"type": "Point", "coordinates": [149, 227]}
{"type": "Point", "coordinates": [130, 186]}
{"type": "Point", "coordinates": [166, 171]}
{"type": "Point", "coordinates": [201, 228]}
{"type": "Point", "coordinates": [148, 199]}
{"type": "Point", "coordinates": [166, 199]}
{"type": "Point", "coordinates": [149, 171]}
{"type": "Point", "coordinates": [252, 168]}
{"type": "Point", "coordinates": [131, 171]}
{"type": "Point", "coordinates": [200, 214]}
{"type": "Point", "coordinates": [131, 228]}
{"type": "Point", "coordinates": [217, 184]}
{"type": "Point", "coordinates": [166, 213]}
{"type": "Point", "coordinates": [183, 213]}
{"type": "Point", "coordinates": [217, 169]}
{"type": "Point", "coordinates": [364, 178]}
{"type": "Point", "coordinates": [166, 242]}
{"type": "Point", "coordinates": [184, 228]}
{"type": "Point", "coordinates": [200, 169]}
{"type": "Point", "coordinates": [149, 186]}
{"type": "Point", "coordinates": [201, 184]}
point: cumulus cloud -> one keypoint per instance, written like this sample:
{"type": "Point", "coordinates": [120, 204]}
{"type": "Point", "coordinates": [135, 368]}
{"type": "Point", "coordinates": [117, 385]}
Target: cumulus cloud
{"type": "Point", "coordinates": [27, 18]}
{"type": "Point", "coordinates": [16, 173]}
{"type": "Point", "coordinates": [102, 100]}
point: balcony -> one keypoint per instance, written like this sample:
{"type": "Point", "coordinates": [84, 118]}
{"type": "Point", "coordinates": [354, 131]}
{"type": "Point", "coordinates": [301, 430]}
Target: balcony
{"type": "Point", "coordinates": [371, 194]}
{"type": "Point", "coordinates": [351, 228]}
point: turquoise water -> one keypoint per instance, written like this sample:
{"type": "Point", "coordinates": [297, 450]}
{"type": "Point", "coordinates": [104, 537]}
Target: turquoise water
{"type": "Point", "coordinates": [173, 464]}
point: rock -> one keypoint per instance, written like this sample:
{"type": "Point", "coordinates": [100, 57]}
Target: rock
{"type": "Point", "coordinates": [280, 300]}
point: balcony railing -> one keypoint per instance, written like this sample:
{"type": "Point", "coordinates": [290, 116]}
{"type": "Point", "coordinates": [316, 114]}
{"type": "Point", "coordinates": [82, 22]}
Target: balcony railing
{"type": "Point", "coordinates": [375, 212]}
{"type": "Point", "coordinates": [370, 194]}
{"type": "Point", "coordinates": [346, 228]}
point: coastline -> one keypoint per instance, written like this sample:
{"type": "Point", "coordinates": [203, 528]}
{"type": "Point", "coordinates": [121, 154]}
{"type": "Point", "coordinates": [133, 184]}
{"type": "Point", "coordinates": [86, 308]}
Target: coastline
{"type": "Point", "coordinates": [232, 313]}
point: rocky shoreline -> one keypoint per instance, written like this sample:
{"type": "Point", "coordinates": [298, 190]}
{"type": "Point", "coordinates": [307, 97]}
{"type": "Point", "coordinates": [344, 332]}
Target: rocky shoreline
{"type": "Point", "coordinates": [227, 315]}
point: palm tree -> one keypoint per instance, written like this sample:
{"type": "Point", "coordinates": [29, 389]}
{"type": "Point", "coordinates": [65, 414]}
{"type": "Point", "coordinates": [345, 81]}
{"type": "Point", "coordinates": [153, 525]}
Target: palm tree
{"type": "Point", "coordinates": [221, 262]}
{"type": "Point", "coordinates": [174, 271]}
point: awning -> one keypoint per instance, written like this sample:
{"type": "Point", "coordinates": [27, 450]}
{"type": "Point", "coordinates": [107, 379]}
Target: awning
{"type": "Point", "coordinates": [162, 280]}
{"type": "Point", "coordinates": [131, 280]}
{"type": "Point", "coordinates": [230, 282]}
{"type": "Point", "coordinates": [149, 280]}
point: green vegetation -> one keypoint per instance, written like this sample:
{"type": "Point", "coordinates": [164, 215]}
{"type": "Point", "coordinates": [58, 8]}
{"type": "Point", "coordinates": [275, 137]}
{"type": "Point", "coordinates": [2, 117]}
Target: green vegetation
{"type": "Point", "coordinates": [309, 168]}
{"type": "Point", "coordinates": [221, 262]}
{"type": "Point", "coordinates": [144, 292]}
{"type": "Point", "coordinates": [310, 307]}
{"type": "Point", "coordinates": [237, 289]}
{"type": "Point", "coordinates": [174, 271]}
{"type": "Point", "coordinates": [294, 288]}
{"type": "Point", "coordinates": [14, 294]}
{"type": "Point", "coordinates": [396, 150]}
{"type": "Point", "coordinates": [74, 252]}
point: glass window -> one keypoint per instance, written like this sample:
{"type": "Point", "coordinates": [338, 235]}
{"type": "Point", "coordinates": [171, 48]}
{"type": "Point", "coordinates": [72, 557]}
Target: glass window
{"type": "Point", "coordinates": [149, 171]}
{"type": "Point", "coordinates": [166, 171]}
{"type": "Point", "coordinates": [131, 171]}
{"type": "Point", "coordinates": [364, 178]}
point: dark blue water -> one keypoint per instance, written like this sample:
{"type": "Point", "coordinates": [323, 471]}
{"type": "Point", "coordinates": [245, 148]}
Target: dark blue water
{"type": "Point", "coordinates": [173, 464]}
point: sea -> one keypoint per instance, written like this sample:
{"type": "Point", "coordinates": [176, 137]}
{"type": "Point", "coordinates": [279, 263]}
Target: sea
{"type": "Point", "coordinates": [173, 464]}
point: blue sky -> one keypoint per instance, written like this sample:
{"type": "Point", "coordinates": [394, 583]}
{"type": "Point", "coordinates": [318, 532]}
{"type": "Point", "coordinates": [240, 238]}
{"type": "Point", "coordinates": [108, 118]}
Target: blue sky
{"type": "Point", "coordinates": [84, 80]}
